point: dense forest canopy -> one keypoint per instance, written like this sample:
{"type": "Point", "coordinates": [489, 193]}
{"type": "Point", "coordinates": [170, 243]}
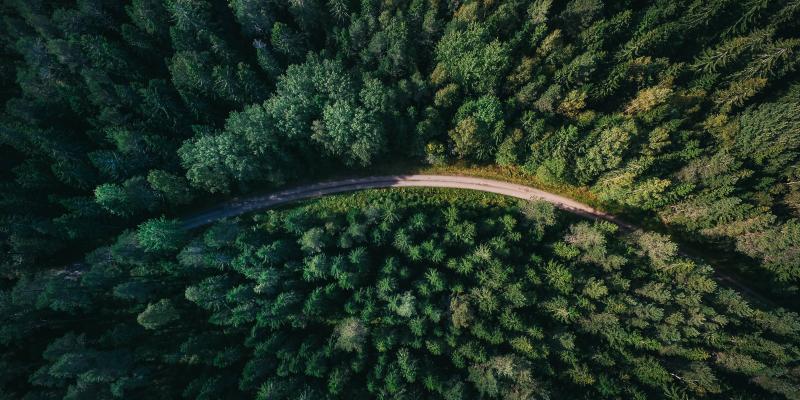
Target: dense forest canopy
{"type": "Point", "coordinates": [118, 116]}
{"type": "Point", "coordinates": [395, 295]}
{"type": "Point", "coordinates": [117, 112]}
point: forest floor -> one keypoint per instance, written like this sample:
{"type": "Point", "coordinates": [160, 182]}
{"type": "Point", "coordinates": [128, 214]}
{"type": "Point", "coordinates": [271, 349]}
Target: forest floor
{"type": "Point", "coordinates": [239, 206]}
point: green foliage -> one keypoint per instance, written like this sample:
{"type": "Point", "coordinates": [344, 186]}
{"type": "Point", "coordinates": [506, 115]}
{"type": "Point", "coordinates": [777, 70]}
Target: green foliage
{"type": "Point", "coordinates": [504, 377]}
{"type": "Point", "coordinates": [349, 132]}
{"type": "Point", "coordinates": [682, 112]}
{"type": "Point", "coordinates": [161, 235]}
{"type": "Point", "coordinates": [529, 307]}
{"type": "Point", "coordinates": [769, 136]}
{"type": "Point", "coordinates": [175, 189]}
{"type": "Point", "coordinates": [350, 335]}
{"type": "Point", "coordinates": [435, 153]}
{"type": "Point", "coordinates": [123, 102]}
{"type": "Point", "coordinates": [471, 58]}
{"type": "Point", "coordinates": [132, 197]}
{"type": "Point", "coordinates": [158, 315]}
{"type": "Point", "coordinates": [605, 152]}
{"type": "Point", "coordinates": [479, 128]}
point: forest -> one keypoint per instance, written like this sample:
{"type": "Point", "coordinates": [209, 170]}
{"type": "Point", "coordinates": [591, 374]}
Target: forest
{"type": "Point", "coordinates": [396, 296]}
{"type": "Point", "coordinates": [118, 117]}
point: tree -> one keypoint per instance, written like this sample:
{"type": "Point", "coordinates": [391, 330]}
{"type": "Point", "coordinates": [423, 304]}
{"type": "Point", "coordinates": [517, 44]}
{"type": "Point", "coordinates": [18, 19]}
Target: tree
{"type": "Point", "coordinates": [606, 151]}
{"type": "Point", "coordinates": [350, 133]}
{"type": "Point", "coordinates": [550, 154]}
{"type": "Point", "coordinates": [470, 58]}
{"type": "Point", "coordinates": [505, 376]}
{"type": "Point", "coordinates": [157, 315]}
{"type": "Point", "coordinates": [435, 153]}
{"type": "Point", "coordinates": [403, 304]}
{"type": "Point", "coordinates": [175, 189]}
{"type": "Point", "coordinates": [508, 153]}
{"type": "Point", "coordinates": [161, 234]}
{"type": "Point", "coordinates": [650, 372]}
{"type": "Point", "coordinates": [302, 93]}
{"type": "Point", "coordinates": [658, 248]}
{"type": "Point", "coordinates": [313, 240]}
{"type": "Point", "coordinates": [579, 13]}
{"type": "Point", "coordinates": [769, 136]}
{"type": "Point", "coordinates": [541, 213]}
{"type": "Point", "coordinates": [214, 161]}
{"type": "Point", "coordinates": [192, 76]}
{"type": "Point", "coordinates": [479, 128]}
{"type": "Point", "coordinates": [350, 335]}
{"type": "Point", "coordinates": [256, 18]}
{"type": "Point", "coordinates": [133, 197]}
{"type": "Point", "coordinates": [286, 41]}
{"type": "Point", "coordinates": [460, 313]}
{"type": "Point", "coordinates": [628, 186]}
{"type": "Point", "coordinates": [776, 247]}
{"type": "Point", "coordinates": [591, 241]}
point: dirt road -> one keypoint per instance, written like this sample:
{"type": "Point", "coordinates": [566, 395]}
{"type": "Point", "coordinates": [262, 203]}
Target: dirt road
{"type": "Point", "coordinates": [243, 206]}
{"type": "Point", "coordinates": [236, 207]}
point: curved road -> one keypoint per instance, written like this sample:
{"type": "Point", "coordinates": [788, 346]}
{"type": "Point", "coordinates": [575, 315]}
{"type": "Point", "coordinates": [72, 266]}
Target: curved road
{"type": "Point", "coordinates": [237, 207]}
{"type": "Point", "coordinates": [242, 206]}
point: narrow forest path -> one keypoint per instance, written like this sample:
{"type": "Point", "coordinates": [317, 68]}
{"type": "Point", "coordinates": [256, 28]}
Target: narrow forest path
{"type": "Point", "coordinates": [242, 206]}
{"type": "Point", "coordinates": [237, 206]}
